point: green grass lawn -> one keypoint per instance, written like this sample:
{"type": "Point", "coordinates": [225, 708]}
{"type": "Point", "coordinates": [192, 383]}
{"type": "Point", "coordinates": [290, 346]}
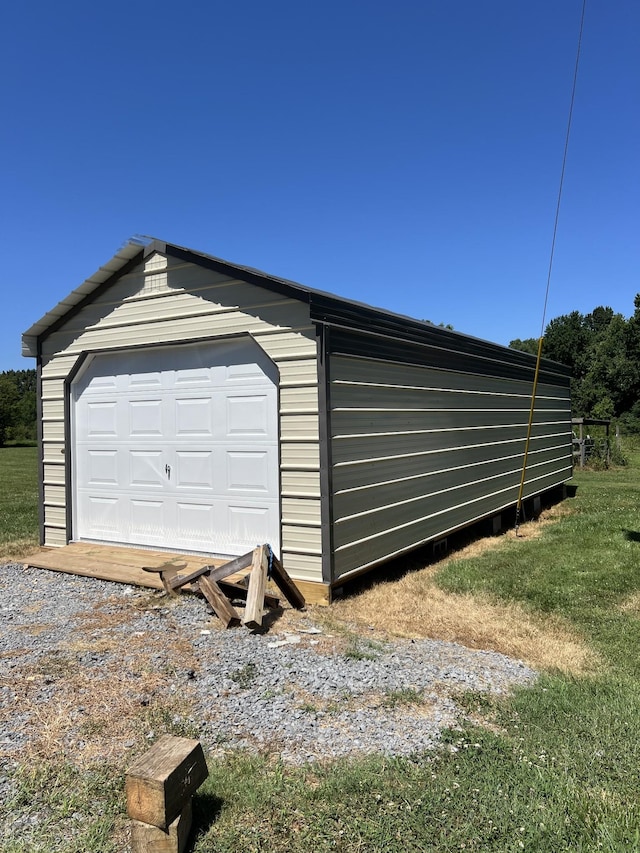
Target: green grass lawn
{"type": "Point", "coordinates": [553, 768]}
{"type": "Point", "coordinates": [18, 499]}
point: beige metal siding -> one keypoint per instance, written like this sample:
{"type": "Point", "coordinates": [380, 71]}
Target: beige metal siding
{"type": "Point", "coordinates": [56, 537]}
{"type": "Point", "coordinates": [300, 511]}
{"type": "Point", "coordinates": [56, 517]}
{"type": "Point", "coordinates": [299, 457]}
{"type": "Point", "coordinates": [301, 483]}
{"type": "Point", "coordinates": [177, 302]}
{"type": "Point", "coordinates": [419, 451]}
{"type": "Point", "coordinates": [53, 466]}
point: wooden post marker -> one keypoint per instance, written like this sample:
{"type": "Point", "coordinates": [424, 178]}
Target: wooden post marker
{"type": "Point", "coordinates": [146, 838]}
{"type": "Point", "coordinates": [159, 787]}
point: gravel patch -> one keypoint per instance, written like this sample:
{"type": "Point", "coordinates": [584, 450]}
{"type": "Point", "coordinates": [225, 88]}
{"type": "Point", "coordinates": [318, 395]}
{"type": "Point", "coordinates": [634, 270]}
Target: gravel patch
{"type": "Point", "coordinates": [68, 643]}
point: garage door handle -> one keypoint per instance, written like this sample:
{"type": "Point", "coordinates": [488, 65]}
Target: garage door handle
{"type": "Point", "coordinates": [167, 471]}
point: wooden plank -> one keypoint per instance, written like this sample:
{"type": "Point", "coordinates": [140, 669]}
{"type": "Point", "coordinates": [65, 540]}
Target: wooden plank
{"type": "Point", "coordinates": [216, 573]}
{"type": "Point", "coordinates": [222, 607]}
{"type": "Point", "coordinates": [286, 585]}
{"type": "Point", "coordinates": [122, 565]}
{"type": "Point", "coordinates": [79, 565]}
{"type": "Point", "coordinates": [120, 554]}
{"type": "Point", "coordinates": [139, 558]}
{"type": "Point", "coordinates": [146, 838]}
{"type": "Point", "coordinates": [161, 781]}
{"type": "Point", "coordinates": [133, 557]}
{"type": "Point", "coordinates": [254, 610]}
{"type": "Point", "coordinates": [315, 592]}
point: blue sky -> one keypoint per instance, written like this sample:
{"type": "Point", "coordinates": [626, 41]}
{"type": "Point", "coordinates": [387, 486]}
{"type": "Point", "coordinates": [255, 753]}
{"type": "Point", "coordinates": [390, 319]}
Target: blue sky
{"type": "Point", "coordinates": [403, 154]}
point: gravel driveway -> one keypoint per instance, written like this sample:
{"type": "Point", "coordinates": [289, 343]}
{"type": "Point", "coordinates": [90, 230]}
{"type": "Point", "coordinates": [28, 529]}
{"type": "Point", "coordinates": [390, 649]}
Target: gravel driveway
{"type": "Point", "coordinates": [89, 667]}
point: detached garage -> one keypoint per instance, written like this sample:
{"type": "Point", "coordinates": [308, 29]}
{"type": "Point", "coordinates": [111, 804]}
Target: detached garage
{"type": "Point", "coordinates": [196, 406]}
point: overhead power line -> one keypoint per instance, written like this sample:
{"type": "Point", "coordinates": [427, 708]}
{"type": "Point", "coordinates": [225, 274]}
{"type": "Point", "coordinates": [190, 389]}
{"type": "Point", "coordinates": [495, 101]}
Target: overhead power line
{"type": "Point", "coordinates": [551, 255]}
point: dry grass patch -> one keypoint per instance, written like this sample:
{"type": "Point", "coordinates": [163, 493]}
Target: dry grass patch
{"type": "Point", "coordinates": [36, 629]}
{"type": "Point", "coordinates": [631, 605]}
{"type": "Point", "coordinates": [414, 606]}
{"type": "Point", "coordinates": [84, 710]}
{"type": "Point", "coordinates": [113, 718]}
{"type": "Point", "coordinates": [94, 713]}
{"type": "Point", "coordinates": [15, 552]}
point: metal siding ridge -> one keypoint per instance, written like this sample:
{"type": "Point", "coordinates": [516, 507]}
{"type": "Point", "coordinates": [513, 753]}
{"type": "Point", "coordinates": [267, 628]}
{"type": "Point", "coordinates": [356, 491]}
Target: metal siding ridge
{"type": "Point", "coordinates": [437, 451]}
{"type": "Point", "coordinates": [414, 432]}
{"type": "Point", "coordinates": [438, 389]}
{"type": "Point", "coordinates": [352, 448]}
{"type": "Point", "coordinates": [420, 346]}
{"type": "Point", "coordinates": [460, 486]}
{"type": "Point", "coordinates": [362, 368]}
{"type": "Point", "coordinates": [437, 471]}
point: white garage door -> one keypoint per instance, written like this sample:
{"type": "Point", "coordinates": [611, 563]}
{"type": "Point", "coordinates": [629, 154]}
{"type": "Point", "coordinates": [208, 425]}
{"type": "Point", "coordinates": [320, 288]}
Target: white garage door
{"type": "Point", "coordinates": [177, 448]}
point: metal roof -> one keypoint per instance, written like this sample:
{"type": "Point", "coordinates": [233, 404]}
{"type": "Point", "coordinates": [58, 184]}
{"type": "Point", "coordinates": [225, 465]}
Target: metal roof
{"type": "Point", "coordinates": [325, 307]}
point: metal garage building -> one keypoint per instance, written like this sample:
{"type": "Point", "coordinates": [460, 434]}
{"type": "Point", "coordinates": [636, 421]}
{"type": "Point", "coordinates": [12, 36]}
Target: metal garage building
{"type": "Point", "coordinates": [198, 406]}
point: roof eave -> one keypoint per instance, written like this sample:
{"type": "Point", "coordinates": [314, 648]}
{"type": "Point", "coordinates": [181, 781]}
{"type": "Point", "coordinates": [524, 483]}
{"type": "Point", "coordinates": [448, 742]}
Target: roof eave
{"type": "Point", "coordinates": [122, 257]}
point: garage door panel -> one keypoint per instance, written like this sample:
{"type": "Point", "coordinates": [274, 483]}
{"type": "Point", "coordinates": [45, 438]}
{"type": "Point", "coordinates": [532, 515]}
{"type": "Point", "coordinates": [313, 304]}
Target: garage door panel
{"type": "Point", "coordinates": [248, 471]}
{"type": "Point", "coordinates": [146, 521]}
{"type": "Point", "coordinates": [101, 420]}
{"type": "Point", "coordinates": [103, 384]}
{"type": "Point", "coordinates": [248, 526]}
{"type": "Point", "coordinates": [247, 415]}
{"type": "Point", "coordinates": [138, 382]}
{"type": "Point", "coordinates": [101, 467]}
{"type": "Point", "coordinates": [194, 377]}
{"type": "Point", "coordinates": [196, 524]}
{"type": "Point", "coordinates": [194, 470]}
{"type": "Point", "coordinates": [101, 514]}
{"type": "Point", "coordinates": [146, 469]}
{"type": "Point", "coordinates": [194, 416]}
{"type": "Point", "coordinates": [145, 418]}
{"type": "Point", "coordinates": [243, 374]}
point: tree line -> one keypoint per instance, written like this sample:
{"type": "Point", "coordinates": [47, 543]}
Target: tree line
{"type": "Point", "coordinates": [18, 414]}
{"type": "Point", "coordinates": [603, 351]}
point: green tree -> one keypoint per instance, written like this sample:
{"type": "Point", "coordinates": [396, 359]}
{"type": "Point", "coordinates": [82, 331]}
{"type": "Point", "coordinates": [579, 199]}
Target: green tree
{"type": "Point", "coordinates": [529, 345]}
{"type": "Point", "coordinates": [612, 375]}
{"type": "Point", "coordinates": [567, 339]}
{"type": "Point", "coordinates": [602, 349]}
{"type": "Point", "coordinates": [18, 405]}
{"type": "Point", "coordinates": [9, 400]}
{"type": "Point", "coordinates": [599, 319]}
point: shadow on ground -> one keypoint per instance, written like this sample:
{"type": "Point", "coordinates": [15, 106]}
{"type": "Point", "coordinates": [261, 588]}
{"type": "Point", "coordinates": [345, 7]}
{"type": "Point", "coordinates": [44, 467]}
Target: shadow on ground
{"type": "Point", "coordinates": [206, 809]}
